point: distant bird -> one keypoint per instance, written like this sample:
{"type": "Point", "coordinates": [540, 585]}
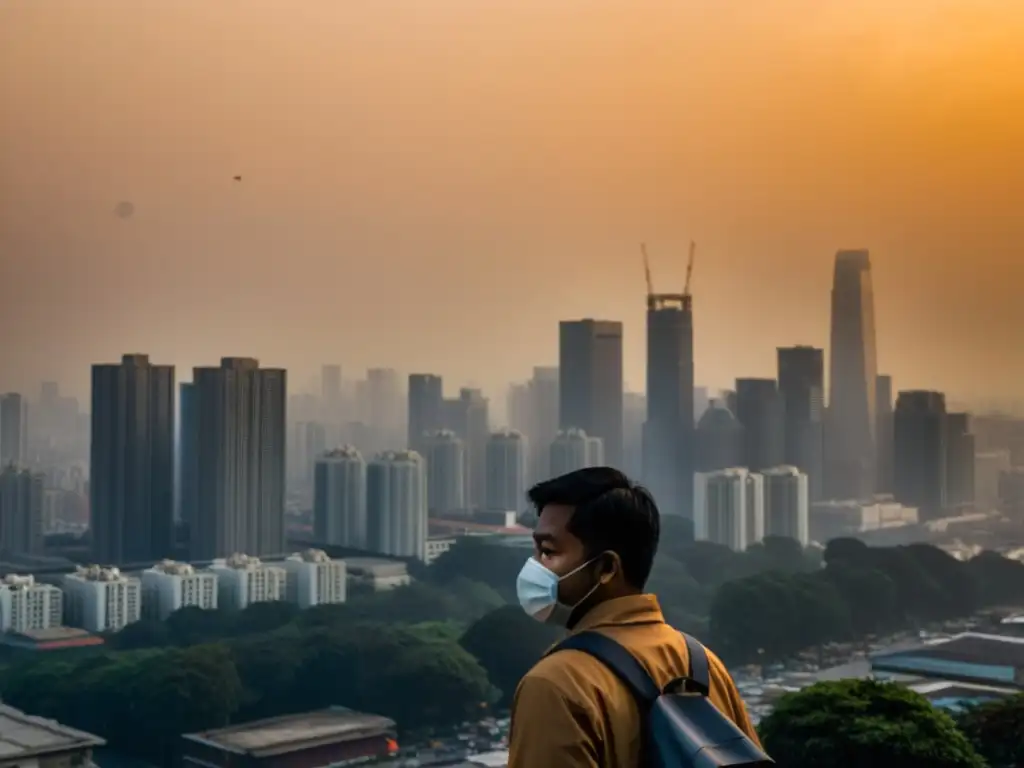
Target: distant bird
{"type": "Point", "coordinates": [124, 210]}
{"type": "Point", "coordinates": [238, 178]}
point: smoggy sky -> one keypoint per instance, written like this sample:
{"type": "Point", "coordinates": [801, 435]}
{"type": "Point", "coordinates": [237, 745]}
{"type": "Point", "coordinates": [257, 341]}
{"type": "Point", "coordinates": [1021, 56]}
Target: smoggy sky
{"type": "Point", "coordinates": [433, 184]}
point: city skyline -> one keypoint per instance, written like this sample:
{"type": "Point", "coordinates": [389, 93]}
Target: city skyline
{"type": "Point", "coordinates": [501, 183]}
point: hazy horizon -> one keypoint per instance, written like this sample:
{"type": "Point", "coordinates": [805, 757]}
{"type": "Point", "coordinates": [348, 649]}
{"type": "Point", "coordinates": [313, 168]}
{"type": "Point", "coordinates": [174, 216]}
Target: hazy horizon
{"type": "Point", "coordinates": [432, 186]}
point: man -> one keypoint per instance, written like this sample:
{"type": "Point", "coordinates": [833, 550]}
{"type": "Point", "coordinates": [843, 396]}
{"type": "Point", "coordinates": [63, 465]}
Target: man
{"type": "Point", "coordinates": [594, 546]}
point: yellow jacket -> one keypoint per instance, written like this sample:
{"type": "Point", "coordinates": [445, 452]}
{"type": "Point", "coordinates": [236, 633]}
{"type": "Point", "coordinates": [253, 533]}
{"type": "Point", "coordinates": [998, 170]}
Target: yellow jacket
{"type": "Point", "coordinates": [570, 711]}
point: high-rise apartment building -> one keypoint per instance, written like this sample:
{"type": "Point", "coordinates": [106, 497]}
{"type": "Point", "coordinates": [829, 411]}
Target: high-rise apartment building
{"type": "Point", "coordinates": [802, 387]}
{"type": "Point", "coordinates": [426, 408]}
{"type": "Point", "coordinates": [506, 471]}
{"type": "Point", "coordinates": [719, 439]}
{"type": "Point", "coordinates": [761, 411]}
{"type": "Point", "coordinates": [634, 418]}
{"type": "Point", "coordinates": [13, 430]}
{"type": "Point", "coordinates": [533, 411]}
{"type": "Point", "coordinates": [315, 579]}
{"type": "Point", "coordinates": [101, 599]}
{"type": "Point", "coordinates": [884, 434]}
{"type": "Point", "coordinates": [27, 606]}
{"type": "Point", "coordinates": [447, 468]}
{"type": "Point", "coordinates": [21, 511]}
{"type": "Point", "coordinates": [168, 586]}
{"type": "Point", "coordinates": [186, 468]}
{"type": "Point", "coordinates": [330, 388]}
{"type": "Point", "coordinates": [668, 450]}
{"type": "Point", "coordinates": [396, 501]}
{"type": "Point", "coordinates": [729, 507]}
{"type": "Point", "coordinates": [468, 417]}
{"type": "Point", "coordinates": [308, 441]}
{"type": "Point", "coordinates": [850, 459]}
{"type": "Point", "coordinates": [590, 388]}
{"type": "Point", "coordinates": [239, 459]}
{"type": "Point", "coordinates": [131, 475]}
{"type": "Point", "coordinates": [243, 580]}
{"type": "Point", "coordinates": [959, 460]}
{"type": "Point", "coordinates": [574, 449]}
{"type": "Point", "coordinates": [339, 499]}
{"type": "Point", "coordinates": [786, 504]}
{"type": "Point", "coordinates": [920, 451]}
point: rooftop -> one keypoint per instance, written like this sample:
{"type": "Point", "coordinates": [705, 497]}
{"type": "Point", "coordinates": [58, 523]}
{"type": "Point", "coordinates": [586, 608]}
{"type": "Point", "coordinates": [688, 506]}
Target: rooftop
{"type": "Point", "coordinates": [291, 733]}
{"type": "Point", "coordinates": [23, 736]}
{"type": "Point", "coordinates": [969, 655]}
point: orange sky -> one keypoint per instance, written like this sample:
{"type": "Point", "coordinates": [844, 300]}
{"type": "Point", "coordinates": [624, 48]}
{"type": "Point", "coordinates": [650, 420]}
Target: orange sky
{"type": "Point", "coordinates": [433, 184]}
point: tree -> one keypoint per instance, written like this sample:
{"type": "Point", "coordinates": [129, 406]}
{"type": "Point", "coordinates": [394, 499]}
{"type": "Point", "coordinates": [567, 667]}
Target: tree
{"type": "Point", "coordinates": [996, 729]}
{"type": "Point", "coordinates": [506, 662]}
{"type": "Point", "coordinates": [863, 724]}
{"type": "Point", "coordinates": [192, 625]}
{"type": "Point", "coordinates": [141, 634]}
{"type": "Point", "coordinates": [870, 597]}
{"type": "Point", "coordinates": [473, 558]}
{"type": "Point", "coordinates": [999, 579]}
{"type": "Point", "coordinates": [778, 553]}
{"type": "Point", "coordinates": [263, 616]}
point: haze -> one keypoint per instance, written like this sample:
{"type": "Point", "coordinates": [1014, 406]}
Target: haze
{"type": "Point", "coordinates": [433, 184]}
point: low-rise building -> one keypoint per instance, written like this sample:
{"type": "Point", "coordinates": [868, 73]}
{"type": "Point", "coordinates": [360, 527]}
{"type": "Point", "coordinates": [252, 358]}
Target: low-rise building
{"type": "Point", "coordinates": [377, 573]}
{"type": "Point", "coordinates": [27, 741]}
{"type": "Point", "coordinates": [315, 579]}
{"type": "Point", "coordinates": [26, 605]}
{"type": "Point", "coordinates": [168, 586]}
{"type": "Point", "coordinates": [101, 599]}
{"type": "Point", "coordinates": [242, 579]}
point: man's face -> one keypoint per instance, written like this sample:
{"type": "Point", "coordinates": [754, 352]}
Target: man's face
{"type": "Point", "coordinates": [561, 552]}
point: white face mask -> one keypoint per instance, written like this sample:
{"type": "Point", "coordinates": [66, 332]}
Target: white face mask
{"type": "Point", "coordinates": [537, 589]}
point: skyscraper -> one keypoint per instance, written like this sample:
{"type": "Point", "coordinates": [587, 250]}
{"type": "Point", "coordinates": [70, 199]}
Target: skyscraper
{"type": "Point", "coordinates": [239, 461]}
{"type": "Point", "coordinates": [426, 407]}
{"type": "Point", "coordinates": [883, 433]}
{"type": "Point", "coordinates": [850, 458]}
{"type": "Point", "coordinates": [533, 410]}
{"type": "Point", "coordinates": [186, 453]}
{"type": "Point", "coordinates": [396, 501]}
{"type": "Point", "coordinates": [786, 504]}
{"type": "Point", "coordinates": [21, 511]}
{"type": "Point", "coordinates": [339, 499]}
{"type": "Point", "coordinates": [573, 449]}
{"type": "Point", "coordinates": [802, 385]}
{"type": "Point", "coordinates": [920, 451]}
{"type": "Point", "coordinates": [760, 410]}
{"type": "Point", "coordinates": [590, 381]}
{"type": "Point", "coordinates": [506, 471]}
{"type": "Point", "coordinates": [728, 507]}
{"type": "Point", "coordinates": [468, 416]}
{"type": "Point", "coordinates": [13, 432]}
{"type": "Point", "coordinates": [131, 474]}
{"type": "Point", "coordinates": [959, 460]}
{"type": "Point", "coordinates": [447, 465]}
{"type": "Point", "coordinates": [668, 432]}
{"type": "Point", "coordinates": [330, 385]}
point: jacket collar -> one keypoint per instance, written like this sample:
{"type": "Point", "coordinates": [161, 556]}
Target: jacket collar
{"type": "Point", "coordinates": [635, 609]}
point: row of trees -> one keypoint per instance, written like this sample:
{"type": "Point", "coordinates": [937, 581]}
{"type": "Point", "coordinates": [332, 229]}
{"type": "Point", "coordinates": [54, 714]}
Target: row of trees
{"type": "Point", "coordinates": [867, 723]}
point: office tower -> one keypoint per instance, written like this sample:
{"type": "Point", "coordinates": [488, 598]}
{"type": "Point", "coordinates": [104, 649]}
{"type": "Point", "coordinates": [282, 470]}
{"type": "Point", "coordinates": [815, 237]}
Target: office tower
{"type": "Point", "coordinates": [447, 465]}
{"type": "Point", "coordinates": [308, 441]}
{"type": "Point", "coordinates": [533, 411]}
{"type": "Point", "coordinates": [574, 449]}
{"type": "Point", "coordinates": [101, 599]}
{"type": "Point", "coordinates": [426, 407]}
{"type": "Point", "coordinates": [668, 455]}
{"type": "Point", "coordinates": [959, 460]}
{"type": "Point", "coordinates": [729, 507]}
{"type": "Point", "coordinates": [186, 499]}
{"type": "Point", "coordinates": [21, 511]}
{"type": "Point", "coordinates": [243, 580]}
{"type": "Point", "coordinates": [884, 433]}
{"type": "Point", "coordinates": [634, 417]}
{"type": "Point", "coordinates": [719, 439]}
{"type": "Point", "coordinates": [920, 451]}
{"type": "Point", "coordinates": [590, 381]}
{"type": "Point", "coordinates": [988, 468]}
{"type": "Point", "coordinates": [468, 417]}
{"type": "Point", "coordinates": [802, 386]}
{"type": "Point", "coordinates": [850, 424]}
{"type": "Point", "coordinates": [339, 499]}
{"type": "Point", "coordinates": [786, 503]}
{"type": "Point", "coordinates": [506, 471]}
{"type": "Point", "coordinates": [239, 462]}
{"type": "Point", "coordinates": [131, 477]}
{"type": "Point", "coordinates": [168, 586]}
{"type": "Point", "coordinates": [396, 501]}
{"type": "Point", "coordinates": [26, 606]}
{"type": "Point", "coordinates": [701, 401]}
{"type": "Point", "coordinates": [314, 579]}
{"type": "Point", "coordinates": [386, 407]}
{"type": "Point", "coordinates": [330, 388]}
{"type": "Point", "coordinates": [13, 430]}
{"type": "Point", "coordinates": [761, 411]}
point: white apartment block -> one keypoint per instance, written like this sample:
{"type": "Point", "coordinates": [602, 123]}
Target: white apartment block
{"type": "Point", "coordinates": [315, 579]}
{"type": "Point", "coordinates": [26, 606]}
{"type": "Point", "coordinates": [101, 599]}
{"type": "Point", "coordinates": [242, 579]}
{"type": "Point", "coordinates": [168, 586]}
{"type": "Point", "coordinates": [786, 504]}
{"type": "Point", "coordinates": [728, 507]}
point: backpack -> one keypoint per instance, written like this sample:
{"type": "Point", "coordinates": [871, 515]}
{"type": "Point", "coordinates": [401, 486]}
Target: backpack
{"type": "Point", "coordinates": [683, 728]}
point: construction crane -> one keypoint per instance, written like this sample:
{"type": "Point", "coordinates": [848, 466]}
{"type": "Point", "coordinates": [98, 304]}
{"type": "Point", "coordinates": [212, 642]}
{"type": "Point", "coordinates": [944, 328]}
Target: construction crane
{"type": "Point", "coordinates": [647, 270]}
{"type": "Point", "coordinates": [689, 269]}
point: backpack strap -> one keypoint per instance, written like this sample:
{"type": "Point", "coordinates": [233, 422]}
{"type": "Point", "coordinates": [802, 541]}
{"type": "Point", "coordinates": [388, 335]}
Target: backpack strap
{"type": "Point", "coordinates": [617, 659]}
{"type": "Point", "coordinates": [700, 674]}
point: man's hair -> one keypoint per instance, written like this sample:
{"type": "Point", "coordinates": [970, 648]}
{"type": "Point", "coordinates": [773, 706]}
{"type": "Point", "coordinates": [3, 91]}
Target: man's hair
{"type": "Point", "coordinates": [611, 513]}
